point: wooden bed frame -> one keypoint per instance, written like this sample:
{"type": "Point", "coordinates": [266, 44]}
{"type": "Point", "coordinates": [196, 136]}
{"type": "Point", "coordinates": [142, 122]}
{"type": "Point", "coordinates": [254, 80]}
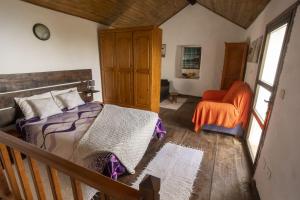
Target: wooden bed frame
{"type": "Point", "coordinates": [13, 150]}
{"type": "Point", "coordinates": [28, 84]}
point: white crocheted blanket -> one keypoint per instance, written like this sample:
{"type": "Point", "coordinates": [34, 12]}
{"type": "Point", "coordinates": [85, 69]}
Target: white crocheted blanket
{"type": "Point", "coordinates": [125, 132]}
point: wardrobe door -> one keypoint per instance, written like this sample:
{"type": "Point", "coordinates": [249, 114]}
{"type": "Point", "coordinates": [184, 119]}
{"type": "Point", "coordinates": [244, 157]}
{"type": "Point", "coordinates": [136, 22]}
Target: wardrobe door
{"type": "Point", "coordinates": [142, 68]}
{"type": "Point", "coordinates": [124, 68]}
{"type": "Point", "coordinates": [234, 63]}
{"type": "Point", "coordinates": [108, 69]}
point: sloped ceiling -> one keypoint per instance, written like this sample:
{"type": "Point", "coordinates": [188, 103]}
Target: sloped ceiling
{"type": "Point", "coordinates": [128, 13]}
{"type": "Point", "coordinates": [240, 12]}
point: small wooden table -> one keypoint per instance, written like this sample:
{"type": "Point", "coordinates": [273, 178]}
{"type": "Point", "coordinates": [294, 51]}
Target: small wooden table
{"type": "Point", "coordinates": [173, 97]}
{"type": "Point", "coordinates": [90, 95]}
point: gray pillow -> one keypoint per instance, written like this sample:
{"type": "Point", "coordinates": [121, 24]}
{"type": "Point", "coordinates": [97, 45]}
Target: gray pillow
{"type": "Point", "coordinates": [70, 99]}
{"type": "Point", "coordinates": [26, 107]}
{"type": "Point", "coordinates": [45, 107]}
{"type": "Point", "coordinates": [58, 102]}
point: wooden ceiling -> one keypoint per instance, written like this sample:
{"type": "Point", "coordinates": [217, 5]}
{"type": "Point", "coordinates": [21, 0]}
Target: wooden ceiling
{"type": "Point", "coordinates": [240, 12]}
{"type": "Point", "coordinates": [128, 13]}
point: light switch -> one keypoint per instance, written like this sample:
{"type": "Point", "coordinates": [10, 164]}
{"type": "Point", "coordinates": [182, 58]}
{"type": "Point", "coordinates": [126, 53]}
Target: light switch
{"type": "Point", "coordinates": [268, 173]}
{"type": "Point", "coordinates": [282, 93]}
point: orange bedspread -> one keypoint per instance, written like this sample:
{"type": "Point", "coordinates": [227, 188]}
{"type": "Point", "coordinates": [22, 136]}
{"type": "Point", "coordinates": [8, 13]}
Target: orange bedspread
{"type": "Point", "coordinates": [224, 108]}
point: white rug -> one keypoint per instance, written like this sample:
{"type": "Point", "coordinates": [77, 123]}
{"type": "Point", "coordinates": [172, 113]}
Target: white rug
{"type": "Point", "coordinates": [177, 168]}
{"type": "Point", "coordinates": [174, 106]}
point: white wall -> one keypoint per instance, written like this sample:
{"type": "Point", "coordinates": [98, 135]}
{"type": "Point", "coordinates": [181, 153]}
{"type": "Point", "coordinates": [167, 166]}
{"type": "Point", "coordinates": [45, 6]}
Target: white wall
{"type": "Point", "coordinates": [195, 25]}
{"type": "Point", "coordinates": [73, 43]}
{"type": "Point", "coordinates": [280, 152]}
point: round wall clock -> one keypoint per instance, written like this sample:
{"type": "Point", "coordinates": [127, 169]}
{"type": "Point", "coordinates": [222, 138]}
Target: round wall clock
{"type": "Point", "coordinates": [41, 31]}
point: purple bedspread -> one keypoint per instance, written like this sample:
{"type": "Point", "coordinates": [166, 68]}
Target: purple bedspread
{"type": "Point", "coordinates": [70, 126]}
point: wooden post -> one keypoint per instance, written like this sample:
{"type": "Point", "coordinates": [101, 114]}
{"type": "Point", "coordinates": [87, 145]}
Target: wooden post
{"type": "Point", "coordinates": [4, 188]}
{"type": "Point", "coordinates": [7, 165]}
{"type": "Point", "coordinates": [149, 188]}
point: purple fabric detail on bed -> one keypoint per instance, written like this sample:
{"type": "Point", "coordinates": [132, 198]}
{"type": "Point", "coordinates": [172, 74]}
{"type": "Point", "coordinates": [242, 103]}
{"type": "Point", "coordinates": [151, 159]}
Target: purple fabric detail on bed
{"type": "Point", "coordinates": [70, 129]}
{"type": "Point", "coordinates": [160, 130]}
{"type": "Point", "coordinates": [20, 125]}
{"type": "Point", "coordinates": [113, 168]}
{"type": "Point", "coordinates": [73, 126]}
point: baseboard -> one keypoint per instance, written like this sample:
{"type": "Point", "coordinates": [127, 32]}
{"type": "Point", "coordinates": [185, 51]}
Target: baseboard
{"type": "Point", "coordinates": [254, 189]}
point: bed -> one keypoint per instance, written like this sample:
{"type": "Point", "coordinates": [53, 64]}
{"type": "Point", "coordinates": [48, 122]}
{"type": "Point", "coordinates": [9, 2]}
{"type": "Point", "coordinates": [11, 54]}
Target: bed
{"type": "Point", "coordinates": [57, 132]}
{"type": "Point", "coordinates": [105, 138]}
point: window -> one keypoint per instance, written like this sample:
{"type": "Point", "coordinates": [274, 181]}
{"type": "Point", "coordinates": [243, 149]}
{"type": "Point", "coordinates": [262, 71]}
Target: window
{"type": "Point", "coordinates": [191, 58]}
{"type": "Point", "coordinates": [188, 63]}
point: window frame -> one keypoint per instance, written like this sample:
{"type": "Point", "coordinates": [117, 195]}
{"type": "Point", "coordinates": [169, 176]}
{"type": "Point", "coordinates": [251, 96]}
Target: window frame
{"type": "Point", "coordinates": [286, 17]}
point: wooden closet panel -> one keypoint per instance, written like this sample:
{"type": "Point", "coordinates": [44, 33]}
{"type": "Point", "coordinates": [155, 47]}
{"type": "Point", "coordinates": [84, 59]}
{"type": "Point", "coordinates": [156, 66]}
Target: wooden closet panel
{"type": "Point", "coordinates": [142, 50]}
{"type": "Point", "coordinates": [142, 63]}
{"type": "Point", "coordinates": [234, 63]}
{"type": "Point", "coordinates": [108, 69]}
{"type": "Point", "coordinates": [124, 68]}
{"type": "Point", "coordinates": [108, 88]}
{"type": "Point", "coordinates": [107, 50]}
{"type": "Point", "coordinates": [142, 91]}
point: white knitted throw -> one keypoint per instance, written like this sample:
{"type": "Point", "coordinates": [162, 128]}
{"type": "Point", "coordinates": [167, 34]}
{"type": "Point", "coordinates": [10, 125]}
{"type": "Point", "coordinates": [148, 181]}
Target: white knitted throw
{"type": "Point", "coordinates": [125, 132]}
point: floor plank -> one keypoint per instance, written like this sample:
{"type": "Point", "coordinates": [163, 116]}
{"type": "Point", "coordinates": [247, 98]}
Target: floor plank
{"type": "Point", "coordinates": [224, 172]}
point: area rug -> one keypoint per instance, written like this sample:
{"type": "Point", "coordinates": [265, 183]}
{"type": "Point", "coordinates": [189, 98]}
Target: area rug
{"type": "Point", "coordinates": [177, 167]}
{"type": "Point", "coordinates": [174, 106]}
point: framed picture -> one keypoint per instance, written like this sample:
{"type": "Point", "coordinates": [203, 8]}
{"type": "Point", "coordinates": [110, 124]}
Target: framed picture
{"type": "Point", "coordinates": [254, 50]}
{"type": "Point", "coordinates": [163, 50]}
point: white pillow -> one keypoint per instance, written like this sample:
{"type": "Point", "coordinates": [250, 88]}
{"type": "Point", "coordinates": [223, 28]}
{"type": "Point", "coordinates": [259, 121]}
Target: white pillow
{"type": "Point", "coordinates": [26, 108]}
{"type": "Point", "coordinates": [44, 107]}
{"type": "Point", "coordinates": [58, 92]}
{"type": "Point", "coordinates": [70, 99]}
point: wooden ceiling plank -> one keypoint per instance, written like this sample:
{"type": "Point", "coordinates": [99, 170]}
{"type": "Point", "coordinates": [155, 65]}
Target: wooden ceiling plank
{"type": "Point", "coordinates": [65, 11]}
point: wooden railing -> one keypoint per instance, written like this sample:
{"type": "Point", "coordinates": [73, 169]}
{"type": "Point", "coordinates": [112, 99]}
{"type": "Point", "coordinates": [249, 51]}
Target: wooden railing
{"type": "Point", "coordinates": [12, 150]}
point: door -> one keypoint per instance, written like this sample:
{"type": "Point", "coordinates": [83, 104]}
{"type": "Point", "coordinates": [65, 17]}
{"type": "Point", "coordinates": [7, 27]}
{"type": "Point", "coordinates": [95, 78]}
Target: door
{"type": "Point", "coordinates": [108, 69]}
{"type": "Point", "coordinates": [277, 35]}
{"type": "Point", "coordinates": [142, 68]}
{"type": "Point", "coordinates": [124, 68]}
{"type": "Point", "coordinates": [234, 63]}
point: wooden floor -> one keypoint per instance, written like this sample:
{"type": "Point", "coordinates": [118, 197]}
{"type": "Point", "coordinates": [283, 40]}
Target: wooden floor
{"type": "Point", "coordinates": [224, 172]}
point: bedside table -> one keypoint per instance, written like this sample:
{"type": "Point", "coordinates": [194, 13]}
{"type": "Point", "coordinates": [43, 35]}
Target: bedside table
{"type": "Point", "coordinates": [90, 95]}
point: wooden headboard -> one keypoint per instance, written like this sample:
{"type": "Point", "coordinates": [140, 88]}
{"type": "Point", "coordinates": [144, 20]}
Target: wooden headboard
{"type": "Point", "coordinates": [28, 84]}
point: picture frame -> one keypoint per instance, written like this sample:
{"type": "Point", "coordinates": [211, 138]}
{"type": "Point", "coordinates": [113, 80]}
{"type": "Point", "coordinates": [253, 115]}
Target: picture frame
{"type": "Point", "coordinates": [254, 50]}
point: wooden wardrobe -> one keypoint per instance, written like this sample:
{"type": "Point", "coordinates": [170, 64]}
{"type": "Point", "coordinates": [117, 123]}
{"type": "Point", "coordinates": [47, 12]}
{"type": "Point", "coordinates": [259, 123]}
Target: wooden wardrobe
{"type": "Point", "coordinates": [234, 63]}
{"type": "Point", "coordinates": [130, 66]}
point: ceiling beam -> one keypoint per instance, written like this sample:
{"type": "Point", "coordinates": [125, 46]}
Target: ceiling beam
{"type": "Point", "coordinates": [192, 2]}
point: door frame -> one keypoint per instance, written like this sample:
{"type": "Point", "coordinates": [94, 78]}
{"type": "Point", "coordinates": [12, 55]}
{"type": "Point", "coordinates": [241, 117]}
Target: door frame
{"type": "Point", "coordinates": [286, 17]}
